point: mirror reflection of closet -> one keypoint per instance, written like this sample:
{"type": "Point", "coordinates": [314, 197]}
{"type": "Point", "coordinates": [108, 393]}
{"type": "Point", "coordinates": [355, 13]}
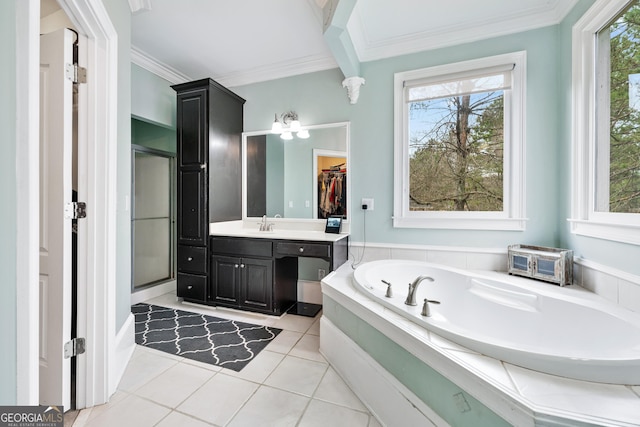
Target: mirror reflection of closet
{"type": "Point", "coordinates": [330, 195]}
{"type": "Point", "coordinates": [280, 177]}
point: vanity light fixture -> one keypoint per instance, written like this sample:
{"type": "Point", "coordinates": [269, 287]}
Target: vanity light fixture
{"type": "Point", "coordinates": [288, 126]}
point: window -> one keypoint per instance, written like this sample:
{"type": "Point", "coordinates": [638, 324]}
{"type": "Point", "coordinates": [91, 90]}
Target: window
{"type": "Point", "coordinates": [606, 134]}
{"type": "Point", "coordinates": [459, 145]}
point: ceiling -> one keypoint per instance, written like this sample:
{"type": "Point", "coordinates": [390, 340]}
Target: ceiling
{"type": "Point", "coordinates": [243, 41]}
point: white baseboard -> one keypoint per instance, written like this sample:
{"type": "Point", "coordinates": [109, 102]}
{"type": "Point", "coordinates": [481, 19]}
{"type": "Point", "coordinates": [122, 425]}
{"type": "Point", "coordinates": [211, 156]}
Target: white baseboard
{"type": "Point", "coordinates": [387, 399]}
{"type": "Point", "coordinates": [124, 346]}
{"type": "Point", "coordinates": [152, 292]}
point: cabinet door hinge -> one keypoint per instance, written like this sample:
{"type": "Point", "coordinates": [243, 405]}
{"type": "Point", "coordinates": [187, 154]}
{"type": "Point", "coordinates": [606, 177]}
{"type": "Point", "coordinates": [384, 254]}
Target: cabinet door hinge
{"type": "Point", "coordinates": [76, 73]}
{"type": "Point", "coordinates": [74, 347]}
{"type": "Point", "coordinates": [75, 210]}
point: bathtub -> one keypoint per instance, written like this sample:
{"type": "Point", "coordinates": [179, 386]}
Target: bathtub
{"type": "Point", "coordinates": [566, 331]}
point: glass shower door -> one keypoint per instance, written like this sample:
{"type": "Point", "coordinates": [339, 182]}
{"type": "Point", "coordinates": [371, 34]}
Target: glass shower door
{"type": "Point", "coordinates": [152, 218]}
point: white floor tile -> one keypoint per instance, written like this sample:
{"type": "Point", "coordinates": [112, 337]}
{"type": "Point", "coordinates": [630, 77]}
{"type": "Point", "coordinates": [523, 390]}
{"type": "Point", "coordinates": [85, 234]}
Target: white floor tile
{"type": "Point", "coordinates": [176, 419]}
{"type": "Point", "coordinates": [284, 342]}
{"type": "Point", "coordinates": [373, 422]}
{"type": "Point", "coordinates": [290, 322]}
{"type": "Point", "coordinates": [297, 375]}
{"type": "Point", "coordinates": [218, 399]}
{"type": "Point", "coordinates": [308, 348]}
{"type": "Point", "coordinates": [270, 407]}
{"type": "Point", "coordinates": [175, 385]}
{"type": "Point", "coordinates": [143, 367]}
{"type": "Point", "coordinates": [89, 413]}
{"type": "Point", "coordinates": [274, 389]}
{"type": "Point", "coordinates": [315, 327]}
{"type": "Point", "coordinates": [321, 414]}
{"type": "Point", "coordinates": [334, 390]}
{"type": "Point", "coordinates": [259, 368]}
{"type": "Point", "coordinates": [131, 411]}
{"type": "Point", "coordinates": [203, 365]}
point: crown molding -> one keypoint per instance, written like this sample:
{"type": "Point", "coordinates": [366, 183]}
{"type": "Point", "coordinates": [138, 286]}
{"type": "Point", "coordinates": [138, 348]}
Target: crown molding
{"type": "Point", "coordinates": [279, 70]}
{"type": "Point", "coordinates": [454, 35]}
{"type": "Point", "coordinates": [145, 61]}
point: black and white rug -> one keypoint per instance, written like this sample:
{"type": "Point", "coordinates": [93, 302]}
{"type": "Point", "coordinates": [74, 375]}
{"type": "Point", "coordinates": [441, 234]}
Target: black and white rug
{"type": "Point", "coordinates": [227, 343]}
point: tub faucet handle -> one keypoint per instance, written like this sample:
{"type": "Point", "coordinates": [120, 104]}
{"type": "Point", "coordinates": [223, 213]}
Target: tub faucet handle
{"type": "Point", "coordinates": [426, 312]}
{"type": "Point", "coordinates": [389, 293]}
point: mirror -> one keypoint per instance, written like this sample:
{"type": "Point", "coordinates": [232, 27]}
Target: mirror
{"type": "Point", "coordinates": [298, 178]}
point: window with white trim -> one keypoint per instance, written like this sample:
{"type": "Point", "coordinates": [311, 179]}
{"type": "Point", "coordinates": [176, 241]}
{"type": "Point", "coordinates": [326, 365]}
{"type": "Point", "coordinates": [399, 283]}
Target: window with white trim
{"type": "Point", "coordinates": [459, 145]}
{"type": "Point", "coordinates": [606, 118]}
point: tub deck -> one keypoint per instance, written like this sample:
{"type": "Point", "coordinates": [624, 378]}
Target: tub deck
{"type": "Point", "coordinates": [520, 396]}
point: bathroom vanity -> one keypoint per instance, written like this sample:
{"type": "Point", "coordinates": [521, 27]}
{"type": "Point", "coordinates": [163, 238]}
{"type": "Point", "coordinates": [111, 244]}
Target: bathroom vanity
{"type": "Point", "coordinates": [258, 271]}
{"type": "Point", "coordinates": [223, 180]}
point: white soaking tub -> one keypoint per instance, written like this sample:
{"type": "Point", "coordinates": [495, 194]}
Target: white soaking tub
{"type": "Point", "coordinates": [566, 331]}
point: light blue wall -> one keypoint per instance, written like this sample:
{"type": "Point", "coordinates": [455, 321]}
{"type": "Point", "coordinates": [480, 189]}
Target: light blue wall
{"type": "Point", "coordinates": [152, 98]}
{"type": "Point", "coordinates": [153, 136]}
{"type": "Point", "coordinates": [120, 15]}
{"type": "Point", "coordinates": [8, 215]}
{"type": "Point", "coordinates": [319, 98]}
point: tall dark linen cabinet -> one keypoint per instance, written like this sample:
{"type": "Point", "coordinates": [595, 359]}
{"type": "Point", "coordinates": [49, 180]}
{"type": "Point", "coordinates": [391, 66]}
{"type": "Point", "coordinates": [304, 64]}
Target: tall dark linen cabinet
{"type": "Point", "coordinates": [209, 175]}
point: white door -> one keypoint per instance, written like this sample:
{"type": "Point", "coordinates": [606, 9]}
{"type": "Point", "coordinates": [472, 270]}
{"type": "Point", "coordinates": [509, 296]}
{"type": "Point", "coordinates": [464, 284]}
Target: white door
{"type": "Point", "coordinates": [56, 125]}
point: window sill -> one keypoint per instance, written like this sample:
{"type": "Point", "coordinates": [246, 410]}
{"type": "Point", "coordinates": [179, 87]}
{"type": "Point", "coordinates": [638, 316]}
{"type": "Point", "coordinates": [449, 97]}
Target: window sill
{"type": "Point", "coordinates": [623, 233]}
{"type": "Point", "coordinates": [492, 224]}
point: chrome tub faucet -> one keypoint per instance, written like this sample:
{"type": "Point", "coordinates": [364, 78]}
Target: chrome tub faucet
{"type": "Point", "coordinates": [411, 296]}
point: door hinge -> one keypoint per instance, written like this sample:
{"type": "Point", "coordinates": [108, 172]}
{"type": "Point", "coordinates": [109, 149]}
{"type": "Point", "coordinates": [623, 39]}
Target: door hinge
{"type": "Point", "coordinates": [75, 210]}
{"type": "Point", "coordinates": [74, 347]}
{"type": "Point", "coordinates": [76, 73]}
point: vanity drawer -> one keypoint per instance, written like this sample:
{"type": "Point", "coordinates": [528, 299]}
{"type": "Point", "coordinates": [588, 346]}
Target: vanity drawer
{"type": "Point", "coordinates": [242, 247]}
{"type": "Point", "coordinates": [192, 286]}
{"type": "Point", "coordinates": [322, 250]}
{"type": "Point", "coordinates": [192, 259]}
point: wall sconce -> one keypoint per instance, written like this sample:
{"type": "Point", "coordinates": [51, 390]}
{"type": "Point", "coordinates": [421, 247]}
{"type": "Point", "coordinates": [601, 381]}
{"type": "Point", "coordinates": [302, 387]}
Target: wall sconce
{"type": "Point", "coordinates": [288, 126]}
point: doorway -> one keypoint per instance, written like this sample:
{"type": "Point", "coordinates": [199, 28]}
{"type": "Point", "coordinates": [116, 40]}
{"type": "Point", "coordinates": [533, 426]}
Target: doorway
{"type": "Point", "coordinates": [101, 366]}
{"type": "Point", "coordinates": [152, 217]}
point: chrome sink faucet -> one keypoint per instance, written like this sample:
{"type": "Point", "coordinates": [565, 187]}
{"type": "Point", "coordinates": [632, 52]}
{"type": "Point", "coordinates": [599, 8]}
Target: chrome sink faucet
{"type": "Point", "coordinates": [411, 296]}
{"type": "Point", "coordinates": [264, 226]}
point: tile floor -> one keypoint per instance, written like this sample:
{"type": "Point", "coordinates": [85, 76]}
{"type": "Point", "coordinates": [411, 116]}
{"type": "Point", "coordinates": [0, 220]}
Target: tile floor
{"type": "Point", "coordinates": [288, 384]}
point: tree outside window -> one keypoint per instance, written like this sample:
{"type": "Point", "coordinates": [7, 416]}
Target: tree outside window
{"type": "Point", "coordinates": [456, 153]}
{"type": "Point", "coordinates": [618, 145]}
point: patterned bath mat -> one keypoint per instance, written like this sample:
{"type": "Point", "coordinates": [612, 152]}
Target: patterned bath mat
{"type": "Point", "coordinates": [226, 343]}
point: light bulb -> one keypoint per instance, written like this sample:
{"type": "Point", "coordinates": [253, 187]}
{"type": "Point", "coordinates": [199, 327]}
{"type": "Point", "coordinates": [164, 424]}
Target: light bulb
{"type": "Point", "coordinates": [286, 135]}
{"type": "Point", "coordinates": [276, 127]}
{"type": "Point", "coordinates": [303, 134]}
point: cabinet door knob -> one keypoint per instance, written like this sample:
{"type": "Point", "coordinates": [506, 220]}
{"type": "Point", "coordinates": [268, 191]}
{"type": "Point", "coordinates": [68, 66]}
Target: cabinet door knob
{"type": "Point", "coordinates": [190, 287]}
{"type": "Point", "coordinates": [236, 266]}
{"type": "Point", "coordinates": [301, 250]}
{"type": "Point", "coordinates": [241, 265]}
{"type": "Point", "coordinates": [203, 166]}
{"type": "Point", "coordinates": [190, 259]}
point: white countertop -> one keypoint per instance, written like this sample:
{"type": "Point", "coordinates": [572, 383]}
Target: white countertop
{"type": "Point", "coordinates": [282, 230]}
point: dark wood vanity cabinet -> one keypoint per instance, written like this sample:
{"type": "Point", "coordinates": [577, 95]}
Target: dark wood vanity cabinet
{"type": "Point", "coordinates": [245, 275]}
{"type": "Point", "coordinates": [242, 282]}
{"type": "Point", "coordinates": [209, 175]}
